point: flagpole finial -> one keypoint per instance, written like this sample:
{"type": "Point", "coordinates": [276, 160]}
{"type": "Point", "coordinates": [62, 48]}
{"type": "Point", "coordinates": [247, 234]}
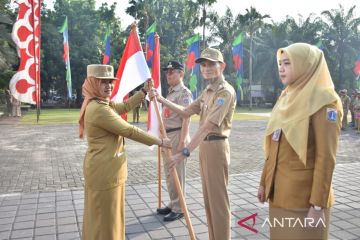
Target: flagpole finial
{"type": "Point", "coordinates": [134, 26]}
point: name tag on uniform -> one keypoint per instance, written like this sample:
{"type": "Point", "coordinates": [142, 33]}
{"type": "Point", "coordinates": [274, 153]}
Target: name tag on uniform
{"type": "Point", "coordinates": [276, 135]}
{"type": "Point", "coordinates": [331, 114]}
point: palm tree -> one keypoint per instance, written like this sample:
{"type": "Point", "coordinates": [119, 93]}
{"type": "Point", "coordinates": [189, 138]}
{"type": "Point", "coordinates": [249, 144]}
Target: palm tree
{"type": "Point", "coordinates": [253, 21]}
{"type": "Point", "coordinates": [342, 30]}
{"type": "Point", "coordinates": [306, 30]}
{"type": "Point", "coordinates": [204, 4]}
{"type": "Point", "coordinates": [223, 31]}
{"type": "Point", "coordinates": [268, 42]}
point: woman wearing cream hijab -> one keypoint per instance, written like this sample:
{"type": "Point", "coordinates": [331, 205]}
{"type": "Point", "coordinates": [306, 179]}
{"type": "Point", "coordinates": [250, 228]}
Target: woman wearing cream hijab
{"type": "Point", "coordinates": [300, 146]}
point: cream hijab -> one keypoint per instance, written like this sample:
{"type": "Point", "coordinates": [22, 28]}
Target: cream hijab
{"type": "Point", "coordinates": [311, 89]}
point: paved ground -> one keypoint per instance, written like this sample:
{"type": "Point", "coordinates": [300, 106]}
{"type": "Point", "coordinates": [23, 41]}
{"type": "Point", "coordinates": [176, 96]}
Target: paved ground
{"type": "Point", "coordinates": [41, 193]}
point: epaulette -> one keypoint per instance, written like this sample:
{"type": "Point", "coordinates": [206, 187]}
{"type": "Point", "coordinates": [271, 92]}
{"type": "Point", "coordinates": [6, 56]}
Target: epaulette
{"type": "Point", "coordinates": [101, 101]}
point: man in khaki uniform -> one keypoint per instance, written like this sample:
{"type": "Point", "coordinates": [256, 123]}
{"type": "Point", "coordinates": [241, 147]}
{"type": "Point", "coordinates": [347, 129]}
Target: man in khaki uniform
{"type": "Point", "coordinates": [216, 107]}
{"type": "Point", "coordinates": [16, 107]}
{"type": "Point", "coordinates": [345, 100]}
{"type": "Point", "coordinates": [177, 129]}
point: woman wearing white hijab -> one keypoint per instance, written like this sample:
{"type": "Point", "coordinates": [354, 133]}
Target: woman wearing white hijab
{"type": "Point", "coordinates": [300, 145]}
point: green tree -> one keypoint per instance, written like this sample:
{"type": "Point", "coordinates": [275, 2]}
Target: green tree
{"type": "Point", "coordinates": [204, 6]}
{"type": "Point", "coordinates": [342, 32]}
{"type": "Point", "coordinates": [224, 30]}
{"type": "Point", "coordinates": [253, 22]}
{"type": "Point", "coordinates": [175, 22]}
{"type": "Point", "coordinates": [87, 27]}
{"type": "Point", "coordinates": [306, 30]}
{"type": "Point", "coordinates": [268, 42]}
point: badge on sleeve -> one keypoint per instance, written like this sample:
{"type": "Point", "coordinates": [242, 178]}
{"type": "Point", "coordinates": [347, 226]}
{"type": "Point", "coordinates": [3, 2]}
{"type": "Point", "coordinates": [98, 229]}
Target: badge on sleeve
{"type": "Point", "coordinates": [276, 135]}
{"type": "Point", "coordinates": [186, 101]}
{"type": "Point", "coordinates": [220, 101]}
{"type": "Point", "coordinates": [331, 114]}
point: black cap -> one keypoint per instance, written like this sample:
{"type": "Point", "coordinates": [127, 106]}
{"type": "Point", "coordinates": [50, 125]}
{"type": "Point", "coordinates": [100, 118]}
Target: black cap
{"type": "Point", "coordinates": [173, 65]}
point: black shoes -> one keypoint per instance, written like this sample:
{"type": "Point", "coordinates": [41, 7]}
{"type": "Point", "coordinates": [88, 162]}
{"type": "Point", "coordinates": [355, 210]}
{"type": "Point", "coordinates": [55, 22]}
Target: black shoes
{"type": "Point", "coordinates": [163, 211]}
{"type": "Point", "coordinates": [170, 215]}
{"type": "Point", "coordinates": [173, 216]}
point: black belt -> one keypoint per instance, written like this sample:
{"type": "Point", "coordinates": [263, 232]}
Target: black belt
{"type": "Point", "coordinates": [214, 137]}
{"type": "Point", "coordinates": [172, 129]}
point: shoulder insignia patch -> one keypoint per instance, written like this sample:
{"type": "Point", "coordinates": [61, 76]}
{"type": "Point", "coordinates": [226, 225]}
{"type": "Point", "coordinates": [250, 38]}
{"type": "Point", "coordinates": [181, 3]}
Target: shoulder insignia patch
{"type": "Point", "coordinates": [186, 101]}
{"type": "Point", "coordinates": [331, 114]}
{"type": "Point", "coordinates": [220, 101]}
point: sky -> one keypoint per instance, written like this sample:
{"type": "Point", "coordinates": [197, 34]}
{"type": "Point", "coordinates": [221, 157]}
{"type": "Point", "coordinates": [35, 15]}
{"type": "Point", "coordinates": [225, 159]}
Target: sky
{"type": "Point", "coordinates": [277, 9]}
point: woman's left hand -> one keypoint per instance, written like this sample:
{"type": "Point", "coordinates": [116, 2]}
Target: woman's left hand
{"type": "Point", "coordinates": [175, 159]}
{"type": "Point", "coordinates": [316, 214]}
{"type": "Point", "coordinates": [166, 143]}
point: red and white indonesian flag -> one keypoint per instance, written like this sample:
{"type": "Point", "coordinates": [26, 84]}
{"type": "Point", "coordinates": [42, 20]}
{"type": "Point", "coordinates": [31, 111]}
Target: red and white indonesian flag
{"type": "Point", "coordinates": [133, 69]}
{"type": "Point", "coordinates": [153, 121]}
{"type": "Point", "coordinates": [25, 84]}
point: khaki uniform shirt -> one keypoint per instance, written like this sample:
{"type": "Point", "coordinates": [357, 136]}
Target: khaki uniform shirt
{"type": "Point", "coordinates": [345, 100]}
{"type": "Point", "coordinates": [217, 105]}
{"type": "Point", "coordinates": [180, 95]}
{"type": "Point", "coordinates": [288, 183]}
{"type": "Point", "coordinates": [105, 163]}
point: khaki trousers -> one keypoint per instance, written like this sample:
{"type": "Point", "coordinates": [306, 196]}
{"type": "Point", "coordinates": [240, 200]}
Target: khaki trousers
{"type": "Point", "coordinates": [214, 163]}
{"type": "Point", "coordinates": [181, 172]}
{"type": "Point", "coordinates": [104, 214]}
{"type": "Point", "coordinates": [345, 120]}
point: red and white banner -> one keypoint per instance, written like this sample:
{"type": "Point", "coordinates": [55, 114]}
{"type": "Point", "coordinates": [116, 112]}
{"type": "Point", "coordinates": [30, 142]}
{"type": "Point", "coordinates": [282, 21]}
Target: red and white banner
{"type": "Point", "coordinates": [133, 69]}
{"type": "Point", "coordinates": [153, 122]}
{"type": "Point", "coordinates": [25, 84]}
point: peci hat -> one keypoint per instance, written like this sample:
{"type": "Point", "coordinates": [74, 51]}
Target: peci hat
{"type": "Point", "coordinates": [173, 65]}
{"type": "Point", "coordinates": [210, 54]}
{"type": "Point", "coordinates": [100, 71]}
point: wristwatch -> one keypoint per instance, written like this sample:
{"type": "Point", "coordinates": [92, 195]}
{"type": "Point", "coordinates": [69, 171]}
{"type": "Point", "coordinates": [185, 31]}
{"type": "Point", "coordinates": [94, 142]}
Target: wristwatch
{"type": "Point", "coordinates": [317, 208]}
{"type": "Point", "coordinates": [185, 152]}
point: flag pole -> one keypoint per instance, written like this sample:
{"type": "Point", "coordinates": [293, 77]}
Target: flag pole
{"type": "Point", "coordinates": [175, 175]}
{"type": "Point", "coordinates": [159, 178]}
{"type": "Point", "coordinates": [133, 26]}
{"type": "Point", "coordinates": [37, 63]}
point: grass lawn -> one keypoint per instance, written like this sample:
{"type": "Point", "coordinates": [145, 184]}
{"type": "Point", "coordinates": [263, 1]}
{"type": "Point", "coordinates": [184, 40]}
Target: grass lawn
{"type": "Point", "coordinates": [52, 116]}
{"type": "Point", "coordinates": [66, 116]}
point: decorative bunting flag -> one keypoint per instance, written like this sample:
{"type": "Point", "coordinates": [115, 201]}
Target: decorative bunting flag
{"type": "Point", "coordinates": [64, 30]}
{"type": "Point", "coordinates": [193, 52]}
{"type": "Point", "coordinates": [238, 56]}
{"type": "Point", "coordinates": [106, 59]}
{"type": "Point", "coordinates": [25, 84]}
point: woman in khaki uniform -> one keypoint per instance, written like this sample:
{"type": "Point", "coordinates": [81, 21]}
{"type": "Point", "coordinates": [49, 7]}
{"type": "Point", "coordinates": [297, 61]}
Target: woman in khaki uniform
{"type": "Point", "coordinates": [300, 146]}
{"type": "Point", "coordinates": [105, 164]}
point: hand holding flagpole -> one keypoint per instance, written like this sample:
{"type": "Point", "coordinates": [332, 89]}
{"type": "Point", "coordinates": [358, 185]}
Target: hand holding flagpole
{"type": "Point", "coordinates": [175, 175]}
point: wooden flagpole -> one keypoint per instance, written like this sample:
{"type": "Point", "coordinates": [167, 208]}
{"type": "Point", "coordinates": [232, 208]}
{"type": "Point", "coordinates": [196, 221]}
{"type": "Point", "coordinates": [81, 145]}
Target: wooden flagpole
{"type": "Point", "coordinates": [159, 177]}
{"type": "Point", "coordinates": [175, 175]}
